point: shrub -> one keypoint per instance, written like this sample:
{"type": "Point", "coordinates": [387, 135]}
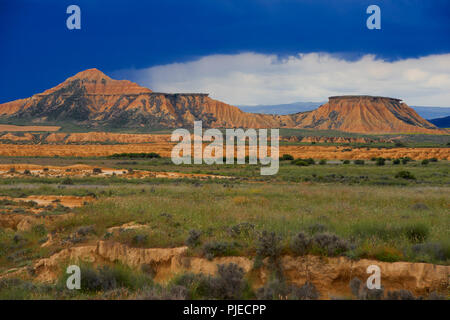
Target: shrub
{"type": "Point", "coordinates": [286, 157]}
{"type": "Point", "coordinates": [139, 240]}
{"type": "Point", "coordinates": [244, 228]}
{"type": "Point", "coordinates": [27, 172]}
{"type": "Point", "coordinates": [96, 170]}
{"type": "Point", "coordinates": [361, 292]}
{"type": "Point", "coordinates": [161, 293]}
{"type": "Point", "coordinates": [385, 253]}
{"type": "Point", "coordinates": [107, 278]}
{"type": "Point", "coordinates": [229, 282]}
{"type": "Point", "coordinates": [417, 232]}
{"type": "Point", "coordinates": [396, 161]}
{"type": "Point", "coordinates": [150, 155]}
{"type": "Point", "coordinates": [380, 162]}
{"type": "Point", "coordinates": [217, 249]}
{"type": "Point", "coordinates": [194, 238]}
{"type": "Point", "coordinates": [301, 244]}
{"type": "Point", "coordinates": [85, 230]}
{"type": "Point", "coordinates": [322, 162]}
{"type": "Point", "coordinates": [279, 289]}
{"type": "Point", "coordinates": [316, 227]}
{"type": "Point", "coordinates": [346, 162]}
{"type": "Point", "coordinates": [300, 162]}
{"type": "Point", "coordinates": [268, 245]}
{"type": "Point", "coordinates": [39, 229]}
{"type": "Point", "coordinates": [303, 162]}
{"type": "Point", "coordinates": [400, 295]}
{"type": "Point", "coordinates": [431, 250]}
{"type": "Point", "coordinates": [67, 181]}
{"type": "Point", "coordinates": [425, 162]}
{"type": "Point", "coordinates": [433, 160]}
{"type": "Point", "coordinates": [359, 162]}
{"type": "Point", "coordinates": [330, 244]}
{"type": "Point", "coordinates": [405, 175]}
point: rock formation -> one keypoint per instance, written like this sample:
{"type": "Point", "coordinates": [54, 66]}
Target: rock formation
{"type": "Point", "coordinates": [93, 99]}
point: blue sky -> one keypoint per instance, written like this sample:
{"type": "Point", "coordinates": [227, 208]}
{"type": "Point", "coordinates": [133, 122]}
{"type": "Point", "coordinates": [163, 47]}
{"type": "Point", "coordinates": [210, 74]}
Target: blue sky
{"type": "Point", "coordinates": [132, 38]}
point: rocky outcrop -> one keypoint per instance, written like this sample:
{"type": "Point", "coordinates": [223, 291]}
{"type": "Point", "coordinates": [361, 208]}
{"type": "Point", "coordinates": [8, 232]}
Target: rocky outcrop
{"type": "Point", "coordinates": [365, 114]}
{"type": "Point", "coordinates": [93, 99]}
{"type": "Point", "coordinates": [331, 276]}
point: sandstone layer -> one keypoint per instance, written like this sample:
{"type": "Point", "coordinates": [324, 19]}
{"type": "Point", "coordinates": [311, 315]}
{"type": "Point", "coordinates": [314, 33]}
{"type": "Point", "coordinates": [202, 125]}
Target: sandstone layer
{"type": "Point", "coordinates": [331, 276]}
{"type": "Point", "coordinates": [165, 150]}
{"type": "Point", "coordinates": [93, 99]}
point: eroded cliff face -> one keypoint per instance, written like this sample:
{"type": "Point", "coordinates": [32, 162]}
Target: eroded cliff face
{"type": "Point", "coordinates": [365, 114]}
{"type": "Point", "coordinates": [93, 99]}
{"type": "Point", "coordinates": [331, 276]}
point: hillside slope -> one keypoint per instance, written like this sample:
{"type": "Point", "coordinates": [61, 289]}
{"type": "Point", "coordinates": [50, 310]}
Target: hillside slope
{"type": "Point", "coordinates": [93, 99]}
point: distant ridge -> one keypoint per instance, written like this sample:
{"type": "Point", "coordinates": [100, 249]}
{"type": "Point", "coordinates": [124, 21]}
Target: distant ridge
{"type": "Point", "coordinates": [441, 122]}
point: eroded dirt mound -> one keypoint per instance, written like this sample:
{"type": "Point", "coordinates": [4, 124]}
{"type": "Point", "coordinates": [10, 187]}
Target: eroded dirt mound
{"type": "Point", "coordinates": [365, 114]}
{"type": "Point", "coordinates": [79, 170]}
{"type": "Point", "coordinates": [331, 276]}
{"type": "Point", "coordinates": [102, 101]}
{"type": "Point", "coordinates": [23, 213]}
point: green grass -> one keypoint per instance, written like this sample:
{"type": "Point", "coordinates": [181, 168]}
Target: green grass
{"type": "Point", "coordinates": [368, 216]}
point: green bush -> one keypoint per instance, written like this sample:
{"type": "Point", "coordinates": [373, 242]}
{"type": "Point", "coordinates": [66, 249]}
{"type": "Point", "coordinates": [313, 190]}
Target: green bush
{"type": "Point", "coordinates": [286, 157]}
{"type": "Point", "coordinates": [194, 238]}
{"type": "Point", "coordinates": [416, 233]}
{"type": "Point", "coordinates": [67, 181]}
{"type": "Point", "coordinates": [380, 162]}
{"type": "Point", "coordinates": [105, 278]}
{"type": "Point", "coordinates": [303, 162]}
{"type": "Point", "coordinates": [322, 162]}
{"type": "Point", "coordinates": [300, 162]}
{"type": "Point", "coordinates": [359, 162]}
{"type": "Point", "coordinates": [405, 175]}
{"type": "Point", "coordinates": [396, 161]}
{"type": "Point", "coordinates": [346, 162]}
{"type": "Point", "coordinates": [214, 249]}
{"type": "Point", "coordinates": [425, 162]}
{"type": "Point", "coordinates": [301, 244]}
{"type": "Point", "coordinates": [150, 155]}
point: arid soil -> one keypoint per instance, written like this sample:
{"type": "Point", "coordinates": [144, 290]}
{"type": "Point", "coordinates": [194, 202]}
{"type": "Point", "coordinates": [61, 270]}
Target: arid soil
{"type": "Point", "coordinates": [165, 149]}
{"type": "Point", "coordinates": [331, 276]}
{"type": "Point", "coordinates": [11, 128]}
{"type": "Point", "coordinates": [17, 170]}
{"type": "Point", "coordinates": [22, 213]}
{"type": "Point", "coordinates": [130, 138]}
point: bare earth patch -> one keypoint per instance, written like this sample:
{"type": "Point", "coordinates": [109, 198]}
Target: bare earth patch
{"type": "Point", "coordinates": [13, 128]}
{"type": "Point", "coordinates": [165, 149]}
{"type": "Point", "coordinates": [19, 170]}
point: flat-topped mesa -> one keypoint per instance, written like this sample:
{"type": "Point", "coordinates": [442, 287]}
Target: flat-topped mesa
{"type": "Point", "coordinates": [181, 94]}
{"type": "Point", "coordinates": [366, 114]}
{"type": "Point", "coordinates": [362, 97]}
{"type": "Point", "coordinates": [93, 99]}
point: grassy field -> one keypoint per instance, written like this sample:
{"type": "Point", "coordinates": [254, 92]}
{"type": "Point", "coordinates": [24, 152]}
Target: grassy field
{"type": "Point", "coordinates": [367, 211]}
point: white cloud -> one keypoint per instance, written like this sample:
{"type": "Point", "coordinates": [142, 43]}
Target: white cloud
{"type": "Point", "coordinates": [251, 78]}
